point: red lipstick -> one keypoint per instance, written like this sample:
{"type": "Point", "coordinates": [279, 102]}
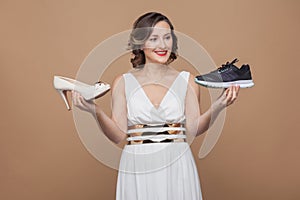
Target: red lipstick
{"type": "Point", "coordinates": [161, 53]}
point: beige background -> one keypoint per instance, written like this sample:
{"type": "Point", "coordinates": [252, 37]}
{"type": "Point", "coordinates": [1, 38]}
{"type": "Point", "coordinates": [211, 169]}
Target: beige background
{"type": "Point", "coordinates": [42, 157]}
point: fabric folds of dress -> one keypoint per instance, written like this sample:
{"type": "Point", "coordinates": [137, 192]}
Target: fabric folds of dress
{"type": "Point", "coordinates": [157, 171]}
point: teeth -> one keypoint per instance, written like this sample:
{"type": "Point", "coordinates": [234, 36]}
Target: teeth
{"type": "Point", "coordinates": [161, 52]}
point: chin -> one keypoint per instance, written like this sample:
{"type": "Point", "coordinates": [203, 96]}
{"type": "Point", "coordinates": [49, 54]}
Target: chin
{"type": "Point", "coordinates": [161, 60]}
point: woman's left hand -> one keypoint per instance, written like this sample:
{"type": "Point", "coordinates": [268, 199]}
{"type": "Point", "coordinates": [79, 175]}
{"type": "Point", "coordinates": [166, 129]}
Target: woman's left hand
{"type": "Point", "coordinates": [81, 103]}
{"type": "Point", "coordinates": [227, 98]}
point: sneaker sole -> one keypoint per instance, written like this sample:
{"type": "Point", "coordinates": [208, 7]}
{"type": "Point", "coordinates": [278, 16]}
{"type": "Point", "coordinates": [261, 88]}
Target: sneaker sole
{"type": "Point", "coordinates": [241, 83]}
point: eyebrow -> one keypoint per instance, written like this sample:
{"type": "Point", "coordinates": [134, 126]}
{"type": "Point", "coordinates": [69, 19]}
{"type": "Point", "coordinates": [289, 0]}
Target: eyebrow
{"type": "Point", "coordinates": [158, 35]}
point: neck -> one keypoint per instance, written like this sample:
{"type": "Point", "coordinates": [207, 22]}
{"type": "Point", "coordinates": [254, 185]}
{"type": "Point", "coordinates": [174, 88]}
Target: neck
{"type": "Point", "coordinates": [154, 73]}
{"type": "Point", "coordinates": [154, 69]}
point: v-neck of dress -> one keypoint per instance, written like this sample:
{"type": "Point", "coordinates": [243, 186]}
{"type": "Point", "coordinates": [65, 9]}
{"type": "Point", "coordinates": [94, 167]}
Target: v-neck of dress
{"type": "Point", "coordinates": [147, 97]}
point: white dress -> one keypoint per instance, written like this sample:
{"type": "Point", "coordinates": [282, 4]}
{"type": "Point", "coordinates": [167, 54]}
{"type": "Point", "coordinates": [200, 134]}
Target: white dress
{"type": "Point", "coordinates": [157, 171]}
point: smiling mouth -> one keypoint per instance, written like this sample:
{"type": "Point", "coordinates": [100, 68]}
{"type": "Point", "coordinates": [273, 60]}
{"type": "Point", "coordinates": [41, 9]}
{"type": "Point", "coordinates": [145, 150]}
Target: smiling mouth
{"type": "Point", "coordinates": [161, 53]}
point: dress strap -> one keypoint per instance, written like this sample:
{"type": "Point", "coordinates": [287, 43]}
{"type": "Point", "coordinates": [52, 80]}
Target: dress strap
{"type": "Point", "coordinates": [179, 88]}
{"type": "Point", "coordinates": [130, 85]}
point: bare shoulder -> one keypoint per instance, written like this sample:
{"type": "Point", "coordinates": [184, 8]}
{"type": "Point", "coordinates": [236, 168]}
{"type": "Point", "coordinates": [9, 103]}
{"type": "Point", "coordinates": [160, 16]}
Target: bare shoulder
{"type": "Point", "coordinates": [192, 84]}
{"type": "Point", "coordinates": [118, 82]}
{"type": "Point", "coordinates": [118, 78]}
{"type": "Point", "coordinates": [136, 72]}
{"type": "Point", "coordinates": [191, 79]}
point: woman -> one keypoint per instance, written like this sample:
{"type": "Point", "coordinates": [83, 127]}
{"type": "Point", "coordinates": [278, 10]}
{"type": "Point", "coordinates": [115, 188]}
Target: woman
{"type": "Point", "coordinates": [155, 108]}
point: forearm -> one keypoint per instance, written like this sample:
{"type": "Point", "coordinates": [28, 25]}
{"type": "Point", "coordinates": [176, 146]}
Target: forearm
{"type": "Point", "coordinates": [109, 127]}
{"type": "Point", "coordinates": [208, 118]}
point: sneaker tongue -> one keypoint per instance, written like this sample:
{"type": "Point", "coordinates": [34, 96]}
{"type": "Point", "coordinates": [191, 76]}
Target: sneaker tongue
{"type": "Point", "coordinates": [234, 67]}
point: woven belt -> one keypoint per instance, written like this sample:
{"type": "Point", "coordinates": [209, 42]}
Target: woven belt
{"type": "Point", "coordinates": [143, 133]}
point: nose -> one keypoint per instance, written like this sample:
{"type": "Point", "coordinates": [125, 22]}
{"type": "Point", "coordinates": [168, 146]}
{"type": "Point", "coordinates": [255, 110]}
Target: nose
{"type": "Point", "coordinates": [162, 43]}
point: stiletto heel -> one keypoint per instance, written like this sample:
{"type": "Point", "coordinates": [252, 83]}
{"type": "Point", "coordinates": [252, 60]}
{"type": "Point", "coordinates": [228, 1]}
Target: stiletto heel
{"type": "Point", "coordinates": [63, 94]}
{"type": "Point", "coordinates": [89, 92]}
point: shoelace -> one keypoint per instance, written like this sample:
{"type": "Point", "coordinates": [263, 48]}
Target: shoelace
{"type": "Point", "coordinates": [227, 65]}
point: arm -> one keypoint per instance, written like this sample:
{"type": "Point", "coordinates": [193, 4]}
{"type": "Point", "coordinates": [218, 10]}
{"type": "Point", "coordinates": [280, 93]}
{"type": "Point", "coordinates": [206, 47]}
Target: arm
{"type": "Point", "coordinates": [114, 128]}
{"type": "Point", "coordinates": [198, 123]}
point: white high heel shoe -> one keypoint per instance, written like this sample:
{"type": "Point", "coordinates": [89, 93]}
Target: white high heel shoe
{"type": "Point", "coordinates": [64, 84]}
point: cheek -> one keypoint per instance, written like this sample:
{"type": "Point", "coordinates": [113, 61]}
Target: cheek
{"type": "Point", "coordinates": [169, 44]}
{"type": "Point", "coordinates": [147, 51]}
{"type": "Point", "coordinates": [149, 46]}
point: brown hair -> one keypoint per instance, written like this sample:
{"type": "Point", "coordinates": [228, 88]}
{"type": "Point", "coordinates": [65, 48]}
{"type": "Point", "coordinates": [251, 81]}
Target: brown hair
{"type": "Point", "coordinates": [142, 29]}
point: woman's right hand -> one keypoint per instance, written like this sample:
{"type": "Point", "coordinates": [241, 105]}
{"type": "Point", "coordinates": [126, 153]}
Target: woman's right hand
{"type": "Point", "coordinates": [227, 98]}
{"type": "Point", "coordinates": [81, 103]}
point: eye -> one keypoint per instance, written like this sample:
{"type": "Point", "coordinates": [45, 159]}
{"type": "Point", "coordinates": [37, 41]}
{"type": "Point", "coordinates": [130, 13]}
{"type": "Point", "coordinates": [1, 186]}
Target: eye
{"type": "Point", "coordinates": [168, 37]}
{"type": "Point", "coordinates": [152, 39]}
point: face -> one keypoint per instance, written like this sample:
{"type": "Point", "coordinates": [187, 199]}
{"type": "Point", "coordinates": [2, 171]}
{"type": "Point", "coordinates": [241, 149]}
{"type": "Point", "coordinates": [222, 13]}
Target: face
{"type": "Point", "coordinates": [158, 46]}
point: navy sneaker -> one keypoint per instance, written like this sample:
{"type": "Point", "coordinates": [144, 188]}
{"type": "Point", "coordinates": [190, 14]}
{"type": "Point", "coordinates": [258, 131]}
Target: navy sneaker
{"type": "Point", "coordinates": [226, 76]}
